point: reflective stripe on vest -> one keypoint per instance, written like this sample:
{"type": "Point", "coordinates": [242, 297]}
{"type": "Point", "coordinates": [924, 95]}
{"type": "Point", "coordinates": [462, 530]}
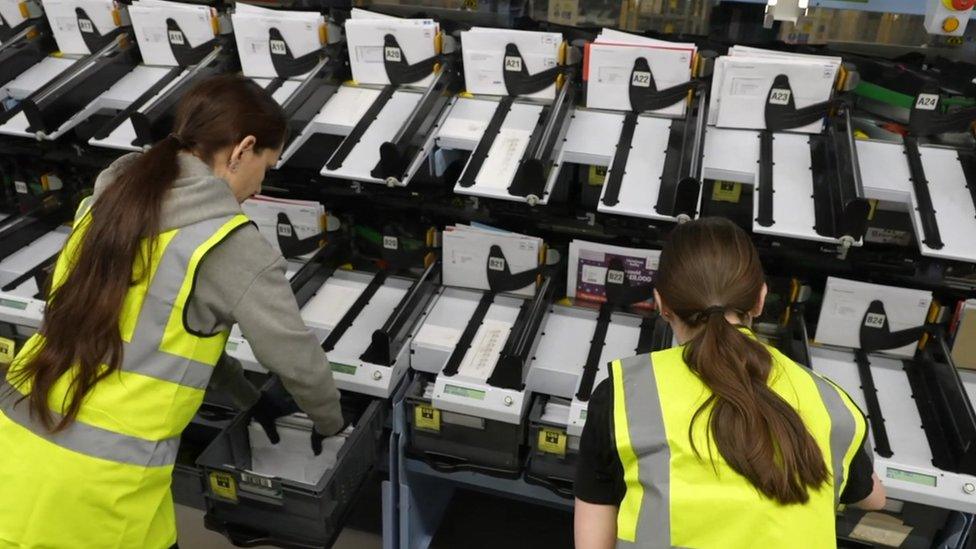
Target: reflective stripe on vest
{"type": "Point", "coordinates": [159, 350]}
{"type": "Point", "coordinates": [647, 405]}
{"type": "Point", "coordinates": [90, 440]}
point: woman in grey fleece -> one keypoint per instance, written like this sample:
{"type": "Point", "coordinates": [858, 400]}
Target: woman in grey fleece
{"type": "Point", "coordinates": [243, 281]}
{"type": "Point", "coordinates": [159, 266]}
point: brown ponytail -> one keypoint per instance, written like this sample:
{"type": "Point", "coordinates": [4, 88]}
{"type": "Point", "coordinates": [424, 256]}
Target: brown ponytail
{"type": "Point", "coordinates": [709, 268]}
{"type": "Point", "coordinates": [81, 321]}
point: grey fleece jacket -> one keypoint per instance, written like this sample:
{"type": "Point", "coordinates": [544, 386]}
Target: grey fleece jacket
{"type": "Point", "coordinates": [242, 281]}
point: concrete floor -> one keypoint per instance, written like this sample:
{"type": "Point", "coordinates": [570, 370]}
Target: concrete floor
{"type": "Point", "coordinates": [192, 534]}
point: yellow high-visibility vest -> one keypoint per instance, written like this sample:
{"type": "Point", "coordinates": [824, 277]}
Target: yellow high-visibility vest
{"type": "Point", "coordinates": [675, 499]}
{"type": "Point", "coordinates": [104, 482]}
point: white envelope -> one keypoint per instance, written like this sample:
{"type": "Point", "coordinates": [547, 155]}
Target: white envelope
{"type": "Point", "coordinates": [300, 31]}
{"type": "Point", "coordinates": [149, 24]}
{"type": "Point", "coordinates": [358, 13]}
{"type": "Point", "coordinates": [365, 38]}
{"type": "Point", "coordinates": [305, 216]}
{"type": "Point", "coordinates": [740, 86]}
{"type": "Point", "coordinates": [609, 68]}
{"type": "Point", "coordinates": [483, 51]}
{"type": "Point", "coordinates": [64, 22]}
{"type": "Point", "coordinates": [845, 303]}
{"type": "Point", "coordinates": [466, 253]}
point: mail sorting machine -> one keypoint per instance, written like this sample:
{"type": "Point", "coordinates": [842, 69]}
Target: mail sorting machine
{"type": "Point", "coordinates": [365, 321]}
{"type": "Point", "coordinates": [29, 246]}
{"type": "Point", "coordinates": [143, 114]}
{"type": "Point", "coordinates": [922, 425]}
{"type": "Point", "coordinates": [374, 134]}
{"type": "Point", "coordinates": [467, 404]}
{"type": "Point", "coordinates": [654, 162]}
{"type": "Point", "coordinates": [933, 181]}
{"type": "Point", "coordinates": [576, 345]}
{"type": "Point", "coordinates": [58, 93]}
{"type": "Point", "coordinates": [807, 186]}
{"type": "Point", "coordinates": [498, 166]}
{"type": "Point", "coordinates": [97, 95]}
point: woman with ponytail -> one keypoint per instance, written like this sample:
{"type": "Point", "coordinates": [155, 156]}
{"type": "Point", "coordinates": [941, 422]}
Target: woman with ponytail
{"type": "Point", "coordinates": [160, 265]}
{"type": "Point", "coordinates": [721, 442]}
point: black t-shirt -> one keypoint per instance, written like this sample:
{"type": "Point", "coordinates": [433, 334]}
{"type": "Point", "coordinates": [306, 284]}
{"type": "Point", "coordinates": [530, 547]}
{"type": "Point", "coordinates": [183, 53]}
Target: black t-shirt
{"type": "Point", "coordinates": [600, 475]}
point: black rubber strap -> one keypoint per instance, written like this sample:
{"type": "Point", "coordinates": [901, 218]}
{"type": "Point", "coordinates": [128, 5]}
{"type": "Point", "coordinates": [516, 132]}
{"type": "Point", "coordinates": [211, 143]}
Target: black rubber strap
{"type": "Point", "coordinates": [351, 140]}
{"type": "Point", "coordinates": [765, 184]}
{"type": "Point", "coordinates": [618, 167]}
{"type": "Point", "coordinates": [480, 153]}
{"type": "Point", "coordinates": [288, 241]}
{"type": "Point", "coordinates": [926, 211]}
{"type": "Point", "coordinates": [676, 167]}
{"type": "Point", "coordinates": [644, 95]}
{"type": "Point", "coordinates": [645, 341]}
{"type": "Point", "coordinates": [881, 444]}
{"type": "Point", "coordinates": [821, 170]}
{"type": "Point", "coordinates": [464, 343]}
{"type": "Point", "coordinates": [967, 159]}
{"type": "Point", "coordinates": [516, 75]}
{"type": "Point", "coordinates": [184, 54]}
{"type": "Point", "coordinates": [592, 364]}
{"type": "Point", "coordinates": [285, 64]}
{"type": "Point", "coordinates": [398, 70]}
{"type": "Point", "coordinates": [500, 275]}
{"type": "Point", "coordinates": [357, 307]}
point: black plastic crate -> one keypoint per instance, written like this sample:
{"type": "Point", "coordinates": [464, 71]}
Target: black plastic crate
{"type": "Point", "coordinates": [252, 509]}
{"type": "Point", "coordinates": [449, 441]}
{"type": "Point", "coordinates": [553, 454]}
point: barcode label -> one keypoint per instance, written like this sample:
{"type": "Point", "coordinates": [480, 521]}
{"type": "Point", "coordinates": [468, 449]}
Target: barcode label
{"type": "Point", "coordinates": [20, 187]}
{"type": "Point", "coordinates": [278, 47]}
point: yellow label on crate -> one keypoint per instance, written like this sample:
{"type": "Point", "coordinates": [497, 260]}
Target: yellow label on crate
{"type": "Point", "coordinates": [552, 441]}
{"type": "Point", "coordinates": [427, 417]}
{"type": "Point", "coordinates": [7, 347]}
{"type": "Point", "coordinates": [597, 175]}
{"type": "Point", "coordinates": [727, 191]}
{"type": "Point", "coordinates": [223, 485]}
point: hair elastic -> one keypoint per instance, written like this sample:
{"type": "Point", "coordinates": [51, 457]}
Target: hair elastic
{"type": "Point", "coordinates": [178, 139]}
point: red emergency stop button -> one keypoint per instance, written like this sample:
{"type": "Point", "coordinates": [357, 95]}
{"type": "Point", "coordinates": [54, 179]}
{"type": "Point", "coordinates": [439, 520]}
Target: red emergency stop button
{"type": "Point", "coordinates": [959, 5]}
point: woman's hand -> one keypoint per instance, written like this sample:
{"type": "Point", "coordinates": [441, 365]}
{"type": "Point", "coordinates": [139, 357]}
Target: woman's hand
{"type": "Point", "coordinates": [595, 525]}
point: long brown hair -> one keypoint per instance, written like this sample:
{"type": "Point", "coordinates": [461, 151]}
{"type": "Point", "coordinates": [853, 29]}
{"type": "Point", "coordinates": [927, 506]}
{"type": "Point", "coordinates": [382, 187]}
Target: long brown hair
{"type": "Point", "coordinates": [710, 267]}
{"type": "Point", "coordinates": [81, 321]}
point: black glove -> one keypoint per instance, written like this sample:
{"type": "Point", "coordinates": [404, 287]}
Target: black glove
{"type": "Point", "coordinates": [267, 410]}
{"type": "Point", "coordinates": [317, 437]}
